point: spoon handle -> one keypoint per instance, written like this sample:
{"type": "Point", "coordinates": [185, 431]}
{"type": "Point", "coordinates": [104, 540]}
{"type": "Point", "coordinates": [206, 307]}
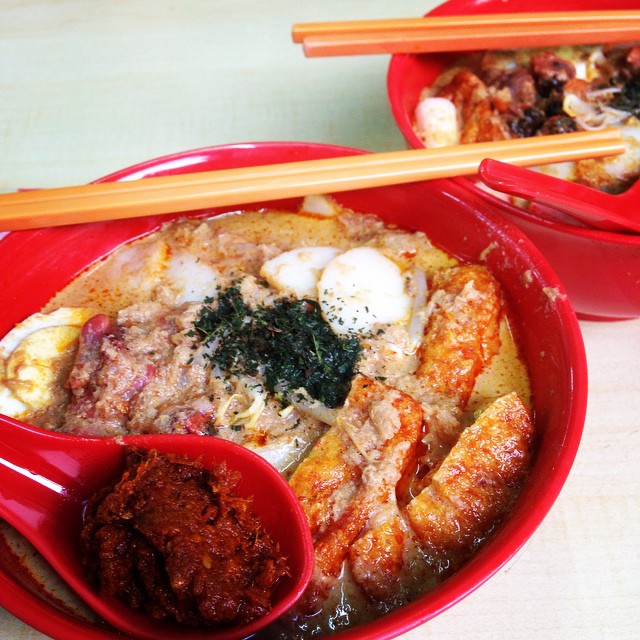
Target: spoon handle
{"type": "Point", "coordinates": [41, 472]}
{"type": "Point", "coordinates": [586, 204]}
{"type": "Point", "coordinates": [28, 494]}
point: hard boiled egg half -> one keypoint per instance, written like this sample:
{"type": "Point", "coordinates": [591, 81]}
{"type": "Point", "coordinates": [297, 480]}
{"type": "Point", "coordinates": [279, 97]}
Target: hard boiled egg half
{"type": "Point", "coordinates": [31, 356]}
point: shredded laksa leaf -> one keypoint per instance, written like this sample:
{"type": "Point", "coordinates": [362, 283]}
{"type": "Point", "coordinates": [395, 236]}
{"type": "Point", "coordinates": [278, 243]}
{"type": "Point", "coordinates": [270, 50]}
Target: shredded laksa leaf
{"type": "Point", "coordinates": [289, 344]}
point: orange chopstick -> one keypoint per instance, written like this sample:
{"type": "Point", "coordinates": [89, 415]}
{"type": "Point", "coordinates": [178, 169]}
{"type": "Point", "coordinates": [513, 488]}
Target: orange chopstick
{"type": "Point", "coordinates": [466, 33]}
{"type": "Point", "coordinates": [190, 192]}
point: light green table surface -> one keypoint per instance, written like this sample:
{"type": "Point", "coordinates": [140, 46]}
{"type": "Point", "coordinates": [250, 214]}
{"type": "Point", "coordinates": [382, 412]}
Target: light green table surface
{"type": "Point", "coordinates": [91, 86]}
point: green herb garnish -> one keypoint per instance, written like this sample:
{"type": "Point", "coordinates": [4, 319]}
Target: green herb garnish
{"type": "Point", "coordinates": [629, 97]}
{"type": "Point", "coordinates": [288, 343]}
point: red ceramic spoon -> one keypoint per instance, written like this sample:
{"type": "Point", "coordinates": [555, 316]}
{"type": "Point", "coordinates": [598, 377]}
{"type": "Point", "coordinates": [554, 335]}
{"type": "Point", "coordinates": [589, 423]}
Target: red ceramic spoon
{"type": "Point", "coordinates": [597, 209]}
{"type": "Point", "coordinates": [46, 479]}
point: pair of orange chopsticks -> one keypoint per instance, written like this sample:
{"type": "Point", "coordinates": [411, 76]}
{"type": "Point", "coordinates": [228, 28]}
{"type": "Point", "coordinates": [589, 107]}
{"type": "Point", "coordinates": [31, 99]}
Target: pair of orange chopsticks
{"type": "Point", "coordinates": [188, 192]}
{"type": "Point", "coordinates": [466, 33]}
{"type": "Point", "coordinates": [68, 205]}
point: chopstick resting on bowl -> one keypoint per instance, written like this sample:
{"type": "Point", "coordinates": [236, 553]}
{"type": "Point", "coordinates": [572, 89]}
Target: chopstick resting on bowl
{"type": "Point", "coordinates": [189, 192]}
{"type": "Point", "coordinates": [466, 32]}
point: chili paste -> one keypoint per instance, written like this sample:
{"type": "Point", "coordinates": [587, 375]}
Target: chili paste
{"type": "Point", "coordinates": [172, 539]}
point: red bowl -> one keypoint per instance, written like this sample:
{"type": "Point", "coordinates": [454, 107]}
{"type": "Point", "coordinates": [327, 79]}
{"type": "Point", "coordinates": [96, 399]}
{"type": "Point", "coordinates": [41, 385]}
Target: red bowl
{"type": "Point", "coordinates": [600, 269]}
{"type": "Point", "coordinates": [36, 264]}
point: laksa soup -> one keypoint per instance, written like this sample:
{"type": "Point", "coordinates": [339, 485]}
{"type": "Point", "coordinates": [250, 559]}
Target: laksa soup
{"type": "Point", "coordinates": [378, 373]}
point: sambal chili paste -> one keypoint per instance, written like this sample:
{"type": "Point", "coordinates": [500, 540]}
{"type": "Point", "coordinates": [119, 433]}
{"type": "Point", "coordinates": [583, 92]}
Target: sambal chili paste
{"type": "Point", "coordinates": [171, 538]}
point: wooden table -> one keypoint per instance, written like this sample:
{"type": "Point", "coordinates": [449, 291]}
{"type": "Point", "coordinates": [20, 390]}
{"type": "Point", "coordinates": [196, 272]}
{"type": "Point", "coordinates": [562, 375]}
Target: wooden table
{"type": "Point", "coordinates": [91, 87]}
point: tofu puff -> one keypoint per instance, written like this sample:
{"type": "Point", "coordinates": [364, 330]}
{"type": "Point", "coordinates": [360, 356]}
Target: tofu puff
{"type": "Point", "coordinates": [352, 472]}
{"type": "Point", "coordinates": [449, 519]}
